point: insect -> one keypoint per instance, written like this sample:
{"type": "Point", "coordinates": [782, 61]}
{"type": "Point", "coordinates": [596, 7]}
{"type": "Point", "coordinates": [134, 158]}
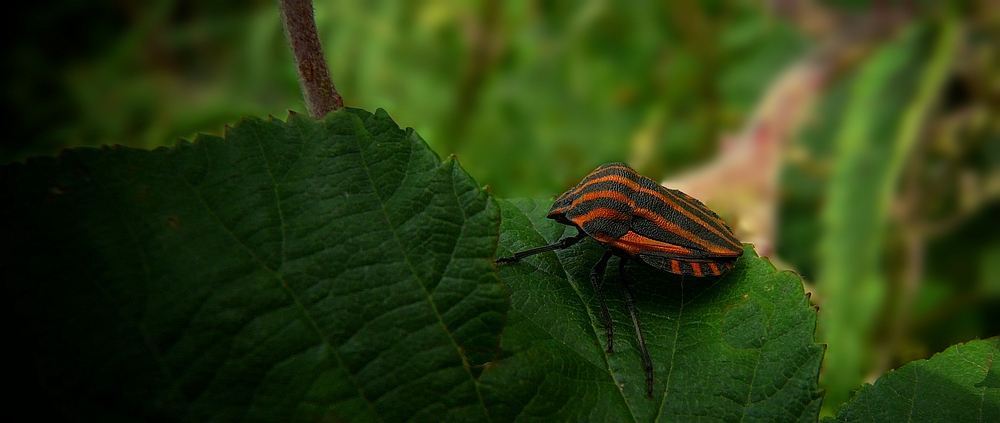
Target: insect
{"type": "Point", "coordinates": [635, 218]}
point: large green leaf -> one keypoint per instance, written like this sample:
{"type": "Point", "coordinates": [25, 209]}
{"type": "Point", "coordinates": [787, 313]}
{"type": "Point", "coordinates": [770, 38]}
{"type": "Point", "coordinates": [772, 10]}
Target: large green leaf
{"type": "Point", "coordinates": [961, 384]}
{"type": "Point", "coordinates": [735, 348]}
{"type": "Point", "coordinates": [301, 271]}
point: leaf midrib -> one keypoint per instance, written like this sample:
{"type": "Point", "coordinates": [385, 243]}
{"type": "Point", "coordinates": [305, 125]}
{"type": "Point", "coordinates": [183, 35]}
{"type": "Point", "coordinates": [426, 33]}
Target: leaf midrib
{"type": "Point", "coordinates": [284, 286]}
{"type": "Point", "coordinates": [416, 275]}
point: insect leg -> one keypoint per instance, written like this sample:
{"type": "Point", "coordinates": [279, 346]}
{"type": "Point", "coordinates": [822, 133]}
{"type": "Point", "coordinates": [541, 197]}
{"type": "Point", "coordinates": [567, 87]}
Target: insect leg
{"type": "Point", "coordinates": [596, 274]}
{"type": "Point", "coordinates": [558, 245]}
{"type": "Point", "coordinates": [647, 364]}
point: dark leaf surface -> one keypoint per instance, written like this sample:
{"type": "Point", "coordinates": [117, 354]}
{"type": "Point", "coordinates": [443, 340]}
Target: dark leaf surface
{"type": "Point", "coordinates": [729, 349]}
{"type": "Point", "coordinates": [299, 271]}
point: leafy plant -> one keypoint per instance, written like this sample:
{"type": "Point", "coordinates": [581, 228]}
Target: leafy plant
{"type": "Point", "coordinates": [292, 271]}
{"type": "Point", "coordinates": [334, 268]}
{"type": "Point", "coordinates": [338, 270]}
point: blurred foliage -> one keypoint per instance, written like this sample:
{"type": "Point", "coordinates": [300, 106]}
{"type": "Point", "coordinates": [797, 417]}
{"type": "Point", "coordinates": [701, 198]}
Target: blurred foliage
{"type": "Point", "coordinates": [532, 95]}
{"type": "Point", "coordinates": [890, 96]}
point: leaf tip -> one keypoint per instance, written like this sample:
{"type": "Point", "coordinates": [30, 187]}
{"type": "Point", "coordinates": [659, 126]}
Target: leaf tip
{"type": "Point", "coordinates": [181, 142]}
{"type": "Point", "coordinates": [198, 139]}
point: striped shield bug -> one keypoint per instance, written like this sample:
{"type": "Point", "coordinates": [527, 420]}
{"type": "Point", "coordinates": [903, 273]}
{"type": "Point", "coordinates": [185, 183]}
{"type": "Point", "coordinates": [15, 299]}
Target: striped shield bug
{"type": "Point", "coordinates": [634, 217]}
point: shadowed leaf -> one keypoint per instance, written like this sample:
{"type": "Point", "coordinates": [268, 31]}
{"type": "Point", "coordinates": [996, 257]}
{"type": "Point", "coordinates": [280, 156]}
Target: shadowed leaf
{"type": "Point", "coordinates": [299, 271]}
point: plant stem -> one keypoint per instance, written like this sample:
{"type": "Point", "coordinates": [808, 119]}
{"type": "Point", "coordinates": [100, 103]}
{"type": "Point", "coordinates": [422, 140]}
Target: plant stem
{"type": "Point", "coordinates": [314, 76]}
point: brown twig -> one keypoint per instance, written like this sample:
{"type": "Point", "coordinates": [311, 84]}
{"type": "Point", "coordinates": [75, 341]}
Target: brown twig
{"type": "Point", "coordinates": [314, 76]}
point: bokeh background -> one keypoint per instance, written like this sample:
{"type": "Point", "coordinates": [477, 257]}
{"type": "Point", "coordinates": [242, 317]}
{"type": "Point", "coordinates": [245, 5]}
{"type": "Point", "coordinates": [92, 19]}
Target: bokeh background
{"type": "Point", "coordinates": [854, 142]}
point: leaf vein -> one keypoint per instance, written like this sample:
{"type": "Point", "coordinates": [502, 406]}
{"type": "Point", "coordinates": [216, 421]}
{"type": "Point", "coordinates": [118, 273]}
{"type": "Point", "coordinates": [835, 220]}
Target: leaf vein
{"type": "Point", "coordinates": [413, 270]}
{"type": "Point", "coordinates": [284, 286]}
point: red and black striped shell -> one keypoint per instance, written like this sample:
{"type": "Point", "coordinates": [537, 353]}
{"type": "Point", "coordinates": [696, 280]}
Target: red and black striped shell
{"type": "Point", "coordinates": [665, 228]}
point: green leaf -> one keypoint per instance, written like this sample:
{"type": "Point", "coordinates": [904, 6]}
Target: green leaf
{"type": "Point", "coordinates": [961, 384]}
{"type": "Point", "coordinates": [735, 348]}
{"type": "Point", "coordinates": [299, 271]}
